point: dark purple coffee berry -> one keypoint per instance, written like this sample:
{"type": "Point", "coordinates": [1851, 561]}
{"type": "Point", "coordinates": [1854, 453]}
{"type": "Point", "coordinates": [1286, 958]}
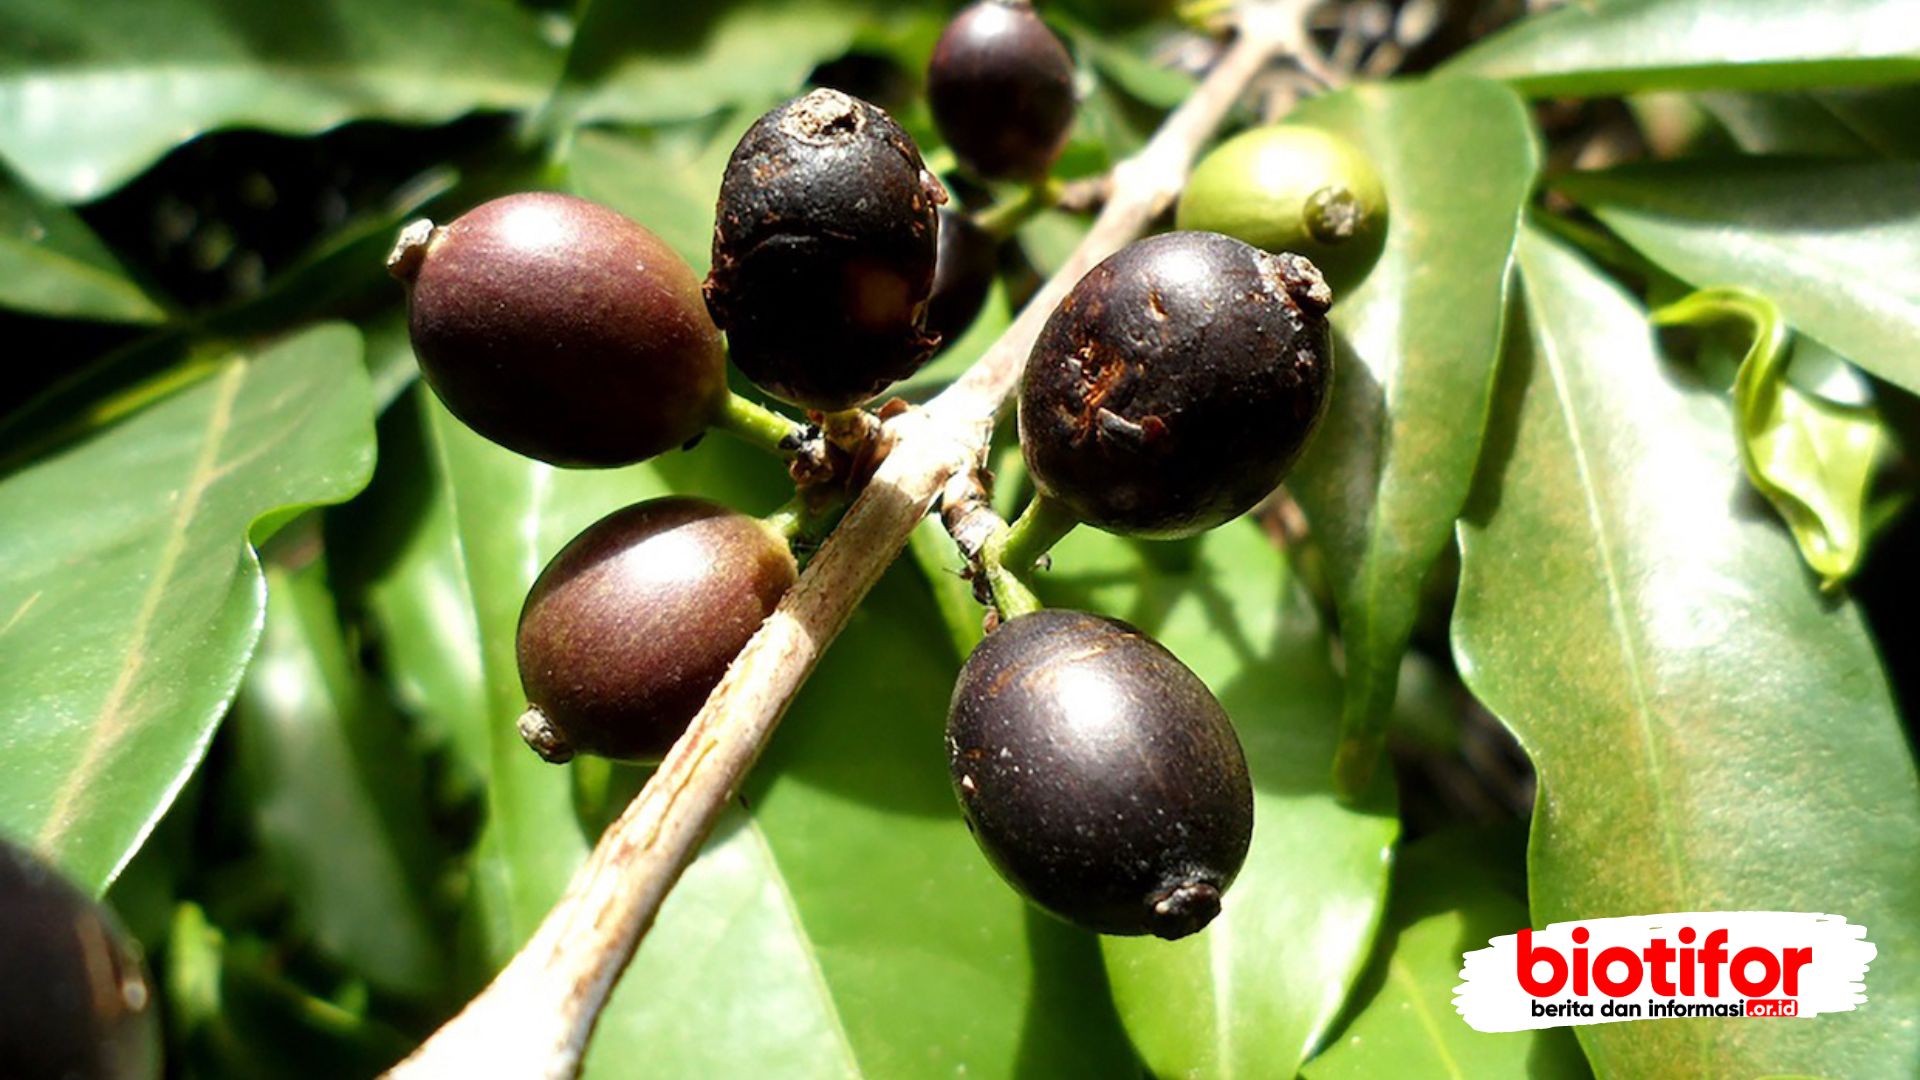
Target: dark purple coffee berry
{"type": "Point", "coordinates": [75, 1000]}
{"type": "Point", "coordinates": [633, 623]}
{"type": "Point", "coordinates": [1177, 383]}
{"type": "Point", "coordinates": [823, 252]}
{"type": "Point", "coordinates": [562, 330]}
{"type": "Point", "coordinates": [1001, 87]}
{"type": "Point", "coordinates": [1099, 774]}
{"type": "Point", "coordinates": [969, 259]}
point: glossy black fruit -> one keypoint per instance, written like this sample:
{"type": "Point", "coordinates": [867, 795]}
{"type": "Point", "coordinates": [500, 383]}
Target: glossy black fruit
{"type": "Point", "coordinates": [1099, 774]}
{"type": "Point", "coordinates": [1177, 383]}
{"type": "Point", "coordinates": [633, 623]}
{"type": "Point", "coordinates": [969, 257]}
{"type": "Point", "coordinates": [562, 330]}
{"type": "Point", "coordinates": [75, 1000]}
{"type": "Point", "coordinates": [1001, 87]}
{"type": "Point", "coordinates": [823, 252]}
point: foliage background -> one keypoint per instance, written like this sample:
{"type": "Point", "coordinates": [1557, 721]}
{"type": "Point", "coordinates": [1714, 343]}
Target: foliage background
{"type": "Point", "coordinates": [257, 590]}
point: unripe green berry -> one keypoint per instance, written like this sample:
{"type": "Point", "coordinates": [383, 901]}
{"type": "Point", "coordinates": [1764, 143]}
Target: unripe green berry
{"type": "Point", "coordinates": [1290, 187]}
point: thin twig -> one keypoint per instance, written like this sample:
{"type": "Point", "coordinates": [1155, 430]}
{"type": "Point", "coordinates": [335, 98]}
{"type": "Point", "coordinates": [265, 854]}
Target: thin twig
{"type": "Point", "coordinates": [535, 1018]}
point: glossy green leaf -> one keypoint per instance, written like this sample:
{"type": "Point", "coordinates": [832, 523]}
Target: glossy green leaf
{"type": "Point", "coordinates": [130, 599]}
{"type": "Point", "coordinates": [1811, 458]}
{"type": "Point", "coordinates": [1617, 46]}
{"type": "Point", "coordinates": [52, 264]}
{"type": "Point", "coordinates": [1448, 900]}
{"type": "Point", "coordinates": [91, 94]}
{"type": "Point", "coordinates": [1414, 359]}
{"type": "Point", "coordinates": [1252, 993]}
{"type": "Point", "coordinates": [1709, 732]}
{"type": "Point", "coordinates": [665, 178]}
{"type": "Point", "coordinates": [1835, 244]}
{"type": "Point", "coordinates": [646, 63]}
{"type": "Point", "coordinates": [848, 925]}
{"type": "Point", "coordinates": [337, 792]}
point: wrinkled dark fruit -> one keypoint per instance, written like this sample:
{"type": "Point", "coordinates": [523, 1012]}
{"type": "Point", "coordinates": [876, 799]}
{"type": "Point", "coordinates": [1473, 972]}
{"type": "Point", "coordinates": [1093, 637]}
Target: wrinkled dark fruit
{"type": "Point", "coordinates": [633, 623]}
{"type": "Point", "coordinates": [1001, 88]}
{"type": "Point", "coordinates": [823, 252]}
{"type": "Point", "coordinates": [1177, 383]}
{"type": "Point", "coordinates": [75, 1000]}
{"type": "Point", "coordinates": [1099, 774]}
{"type": "Point", "coordinates": [562, 330]}
{"type": "Point", "coordinates": [962, 277]}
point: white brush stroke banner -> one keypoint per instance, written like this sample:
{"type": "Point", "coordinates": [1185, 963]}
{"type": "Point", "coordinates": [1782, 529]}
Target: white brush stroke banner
{"type": "Point", "coordinates": [1728, 964]}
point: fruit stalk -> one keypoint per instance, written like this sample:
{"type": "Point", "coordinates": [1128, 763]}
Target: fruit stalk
{"type": "Point", "coordinates": [536, 1016]}
{"type": "Point", "coordinates": [1013, 551]}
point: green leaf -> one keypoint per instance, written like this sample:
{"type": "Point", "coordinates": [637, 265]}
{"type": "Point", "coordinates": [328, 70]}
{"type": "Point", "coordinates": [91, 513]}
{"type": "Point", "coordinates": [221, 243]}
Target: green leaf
{"type": "Point", "coordinates": [52, 264]}
{"type": "Point", "coordinates": [1835, 244]}
{"type": "Point", "coordinates": [1811, 458]}
{"type": "Point", "coordinates": [1870, 122]}
{"type": "Point", "coordinates": [130, 599]}
{"type": "Point", "coordinates": [664, 178]}
{"type": "Point", "coordinates": [1709, 732]}
{"type": "Point", "coordinates": [1252, 993]}
{"type": "Point", "coordinates": [337, 793]}
{"type": "Point", "coordinates": [847, 925]}
{"type": "Point", "coordinates": [638, 63]}
{"type": "Point", "coordinates": [1619, 46]}
{"type": "Point", "coordinates": [1391, 467]}
{"type": "Point", "coordinates": [92, 94]}
{"type": "Point", "coordinates": [1447, 900]}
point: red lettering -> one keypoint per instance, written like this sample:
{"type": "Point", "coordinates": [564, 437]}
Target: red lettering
{"type": "Point", "coordinates": [1603, 978]}
{"type": "Point", "coordinates": [1754, 954]}
{"type": "Point", "coordinates": [1795, 959]}
{"type": "Point", "coordinates": [1547, 954]}
{"type": "Point", "coordinates": [1713, 956]}
{"type": "Point", "coordinates": [1659, 956]}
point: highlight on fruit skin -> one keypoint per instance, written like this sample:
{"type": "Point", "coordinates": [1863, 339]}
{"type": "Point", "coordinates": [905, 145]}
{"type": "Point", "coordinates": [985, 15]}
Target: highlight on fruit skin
{"type": "Point", "coordinates": [1293, 188]}
{"type": "Point", "coordinates": [561, 330]}
{"type": "Point", "coordinates": [824, 248]}
{"type": "Point", "coordinates": [1000, 85]}
{"type": "Point", "coordinates": [633, 623]}
{"type": "Point", "coordinates": [1175, 385]}
{"type": "Point", "coordinates": [75, 1000]}
{"type": "Point", "coordinates": [1099, 775]}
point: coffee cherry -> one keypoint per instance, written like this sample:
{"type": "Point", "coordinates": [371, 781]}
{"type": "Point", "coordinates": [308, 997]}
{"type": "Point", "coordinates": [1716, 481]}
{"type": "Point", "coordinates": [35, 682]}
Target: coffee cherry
{"type": "Point", "coordinates": [969, 259]}
{"type": "Point", "coordinates": [633, 623]}
{"type": "Point", "coordinates": [1001, 87]}
{"type": "Point", "coordinates": [1289, 187]}
{"type": "Point", "coordinates": [1099, 774]}
{"type": "Point", "coordinates": [561, 330]}
{"type": "Point", "coordinates": [75, 1000]}
{"type": "Point", "coordinates": [823, 252]}
{"type": "Point", "coordinates": [1176, 384]}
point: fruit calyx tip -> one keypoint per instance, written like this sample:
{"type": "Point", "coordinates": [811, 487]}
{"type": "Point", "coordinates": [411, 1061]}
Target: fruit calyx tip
{"type": "Point", "coordinates": [1184, 909]}
{"type": "Point", "coordinates": [545, 739]}
{"type": "Point", "coordinates": [410, 250]}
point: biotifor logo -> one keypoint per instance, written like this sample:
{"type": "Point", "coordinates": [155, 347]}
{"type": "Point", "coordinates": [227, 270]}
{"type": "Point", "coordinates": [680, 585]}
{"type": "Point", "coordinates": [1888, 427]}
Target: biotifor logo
{"type": "Point", "coordinates": [1737, 965]}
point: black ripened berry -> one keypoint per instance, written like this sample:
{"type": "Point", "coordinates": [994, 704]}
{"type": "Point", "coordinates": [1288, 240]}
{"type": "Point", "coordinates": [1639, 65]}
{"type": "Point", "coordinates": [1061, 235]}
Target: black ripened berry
{"type": "Point", "coordinates": [562, 330]}
{"type": "Point", "coordinates": [823, 252]}
{"type": "Point", "coordinates": [632, 624]}
{"type": "Point", "coordinates": [1099, 774]}
{"type": "Point", "coordinates": [1177, 383]}
{"type": "Point", "coordinates": [1001, 88]}
{"type": "Point", "coordinates": [75, 1000]}
{"type": "Point", "coordinates": [969, 258]}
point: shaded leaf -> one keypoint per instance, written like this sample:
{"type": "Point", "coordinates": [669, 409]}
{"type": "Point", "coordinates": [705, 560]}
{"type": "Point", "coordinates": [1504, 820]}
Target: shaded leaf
{"type": "Point", "coordinates": [1811, 458]}
{"type": "Point", "coordinates": [1253, 992]}
{"type": "Point", "coordinates": [92, 94]}
{"type": "Point", "coordinates": [52, 264]}
{"type": "Point", "coordinates": [1625, 45]}
{"type": "Point", "coordinates": [1416, 343]}
{"type": "Point", "coordinates": [1709, 733]}
{"type": "Point", "coordinates": [130, 599]}
{"type": "Point", "coordinates": [847, 926]}
{"type": "Point", "coordinates": [1855, 122]}
{"type": "Point", "coordinates": [337, 792]}
{"type": "Point", "coordinates": [1447, 899]}
{"type": "Point", "coordinates": [1835, 244]}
